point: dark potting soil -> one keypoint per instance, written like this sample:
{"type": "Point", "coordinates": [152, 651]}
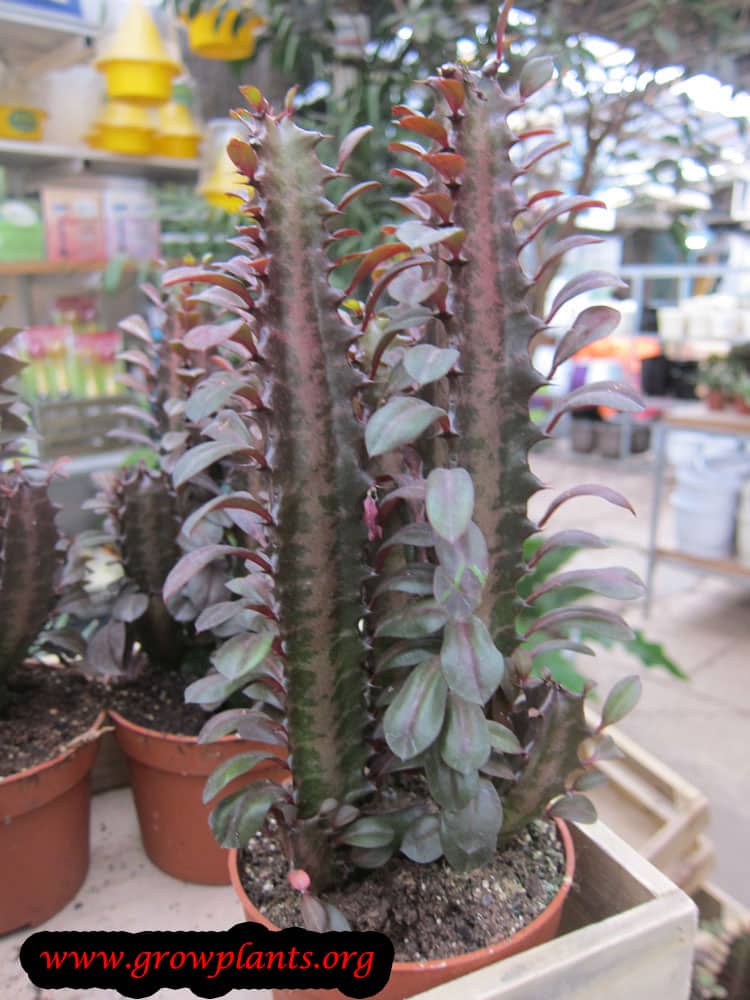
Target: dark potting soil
{"type": "Point", "coordinates": [428, 911]}
{"type": "Point", "coordinates": [155, 699]}
{"type": "Point", "coordinates": [48, 708]}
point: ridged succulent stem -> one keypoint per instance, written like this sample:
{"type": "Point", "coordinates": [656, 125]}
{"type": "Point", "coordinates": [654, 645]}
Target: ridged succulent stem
{"type": "Point", "coordinates": [317, 484]}
{"type": "Point", "coordinates": [491, 325]}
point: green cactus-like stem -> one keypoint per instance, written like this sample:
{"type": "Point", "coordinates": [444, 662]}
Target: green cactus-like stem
{"type": "Point", "coordinates": [29, 564]}
{"type": "Point", "coordinates": [315, 454]}
{"type": "Point", "coordinates": [550, 721]}
{"type": "Point", "coordinates": [491, 325]}
{"type": "Point", "coordinates": [148, 522]}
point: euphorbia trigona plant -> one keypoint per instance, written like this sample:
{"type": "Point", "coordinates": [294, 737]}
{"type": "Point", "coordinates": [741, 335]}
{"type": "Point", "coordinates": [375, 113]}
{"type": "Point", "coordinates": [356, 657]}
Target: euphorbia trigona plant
{"type": "Point", "coordinates": [143, 514]}
{"type": "Point", "coordinates": [30, 545]}
{"type": "Point", "coordinates": [384, 454]}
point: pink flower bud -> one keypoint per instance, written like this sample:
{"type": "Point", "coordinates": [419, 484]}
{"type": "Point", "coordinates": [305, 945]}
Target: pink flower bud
{"type": "Point", "coordinates": [299, 879]}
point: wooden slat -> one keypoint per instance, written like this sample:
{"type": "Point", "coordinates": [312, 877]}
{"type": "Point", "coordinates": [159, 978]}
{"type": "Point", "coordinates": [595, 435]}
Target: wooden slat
{"type": "Point", "coordinates": [656, 811]}
{"type": "Point", "coordinates": [730, 566]}
{"type": "Point", "coordinates": [697, 416]}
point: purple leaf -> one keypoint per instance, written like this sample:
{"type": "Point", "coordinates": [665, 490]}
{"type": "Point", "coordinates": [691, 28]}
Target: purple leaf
{"type": "Point", "coordinates": [355, 192]}
{"type": "Point", "coordinates": [465, 740]}
{"type": "Point", "coordinates": [418, 236]}
{"type": "Point", "coordinates": [313, 912]}
{"type": "Point", "coordinates": [222, 298]}
{"type": "Point", "coordinates": [576, 808]}
{"type": "Point", "coordinates": [350, 142]}
{"type": "Point", "coordinates": [401, 421]}
{"type": "Point", "coordinates": [368, 831]}
{"type": "Point", "coordinates": [617, 582]}
{"type": "Point", "coordinates": [594, 323]}
{"type": "Point", "coordinates": [212, 394]}
{"type": "Point", "coordinates": [420, 535]}
{"type": "Point", "coordinates": [136, 326]}
{"type": "Point", "coordinates": [583, 283]}
{"type": "Point", "coordinates": [193, 562]}
{"type": "Point", "coordinates": [208, 335]}
{"type": "Point", "coordinates": [425, 363]}
{"type": "Point", "coordinates": [415, 578]}
{"type": "Point", "coordinates": [129, 607]}
{"type": "Point", "coordinates": [535, 74]}
{"type": "Point", "coordinates": [414, 718]}
{"type": "Point", "coordinates": [586, 490]}
{"type": "Point", "coordinates": [202, 456]}
{"type": "Point", "coordinates": [217, 614]}
{"type": "Point", "coordinates": [241, 655]}
{"type": "Point", "coordinates": [449, 500]}
{"type": "Point", "coordinates": [136, 413]}
{"type": "Point", "coordinates": [569, 538]}
{"type": "Point", "coordinates": [615, 395]}
{"type": "Point", "coordinates": [574, 203]}
{"type": "Point", "coordinates": [227, 501]}
{"type": "Point", "coordinates": [559, 249]}
{"type": "Point", "coordinates": [553, 645]}
{"type": "Point", "coordinates": [469, 835]}
{"type": "Point", "coordinates": [233, 768]}
{"type": "Point", "coordinates": [538, 153]}
{"type": "Point", "coordinates": [421, 842]}
{"type": "Point", "coordinates": [621, 700]}
{"type": "Point", "coordinates": [595, 620]}
{"type": "Point", "coordinates": [414, 621]}
{"type": "Point", "coordinates": [502, 739]}
{"type": "Point", "coordinates": [472, 666]}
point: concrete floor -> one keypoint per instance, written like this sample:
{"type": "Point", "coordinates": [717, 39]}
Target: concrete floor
{"type": "Point", "coordinates": [699, 727]}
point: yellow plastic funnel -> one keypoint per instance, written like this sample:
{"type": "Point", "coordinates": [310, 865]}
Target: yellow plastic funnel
{"type": "Point", "coordinates": [214, 39]}
{"type": "Point", "coordinates": [219, 184]}
{"type": "Point", "coordinates": [135, 62]}
{"type": "Point", "coordinates": [177, 134]}
{"type": "Point", "coordinates": [123, 127]}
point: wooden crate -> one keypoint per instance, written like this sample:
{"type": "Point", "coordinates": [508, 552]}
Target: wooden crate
{"type": "Point", "coordinates": [627, 934]}
{"type": "Point", "coordinates": [656, 811]}
{"type": "Point", "coordinates": [715, 904]}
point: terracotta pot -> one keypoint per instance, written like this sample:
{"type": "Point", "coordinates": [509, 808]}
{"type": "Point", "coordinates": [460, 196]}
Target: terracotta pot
{"type": "Point", "coordinates": [410, 978]}
{"type": "Point", "coordinates": [167, 775]}
{"type": "Point", "coordinates": [741, 405]}
{"type": "Point", "coordinates": [715, 399]}
{"type": "Point", "coordinates": [44, 834]}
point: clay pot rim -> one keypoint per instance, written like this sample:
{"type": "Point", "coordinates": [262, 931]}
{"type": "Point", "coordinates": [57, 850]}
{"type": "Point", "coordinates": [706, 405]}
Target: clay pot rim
{"type": "Point", "coordinates": [88, 736]}
{"type": "Point", "coordinates": [169, 737]}
{"type": "Point", "coordinates": [496, 949]}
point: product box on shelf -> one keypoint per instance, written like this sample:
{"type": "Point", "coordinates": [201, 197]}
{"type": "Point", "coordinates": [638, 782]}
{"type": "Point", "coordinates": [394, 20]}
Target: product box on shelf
{"type": "Point", "coordinates": [21, 230]}
{"type": "Point", "coordinates": [131, 222]}
{"type": "Point", "coordinates": [73, 223]}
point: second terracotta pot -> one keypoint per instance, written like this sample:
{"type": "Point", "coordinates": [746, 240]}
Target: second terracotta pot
{"type": "Point", "coordinates": [409, 978]}
{"type": "Point", "coordinates": [167, 775]}
{"type": "Point", "coordinates": [44, 834]}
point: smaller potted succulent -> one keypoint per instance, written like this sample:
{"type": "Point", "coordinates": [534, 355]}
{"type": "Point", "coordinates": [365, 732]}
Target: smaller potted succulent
{"type": "Point", "coordinates": [149, 649]}
{"type": "Point", "coordinates": [742, 392]}
{"type": "Point", "coordinates": [381, 447]}
{"type": "Point", "coordinates": [715, 381]}
{"type": "Point", "coordinates": [49, 719]}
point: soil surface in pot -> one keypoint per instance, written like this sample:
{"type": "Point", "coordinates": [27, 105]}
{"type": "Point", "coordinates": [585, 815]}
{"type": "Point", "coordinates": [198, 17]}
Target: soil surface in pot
{"type": "Point", "coordinates": [156, 700]}
{"type": "Point", "coordinates": [428, 911]}
{"type": "Point", "coordinates": [47, 709]}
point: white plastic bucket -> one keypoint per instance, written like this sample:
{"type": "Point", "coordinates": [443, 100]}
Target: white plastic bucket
{"type": "Point", "coordinates": [743, 540]}
{"type": "Point", "coordinates": [702, 529]}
